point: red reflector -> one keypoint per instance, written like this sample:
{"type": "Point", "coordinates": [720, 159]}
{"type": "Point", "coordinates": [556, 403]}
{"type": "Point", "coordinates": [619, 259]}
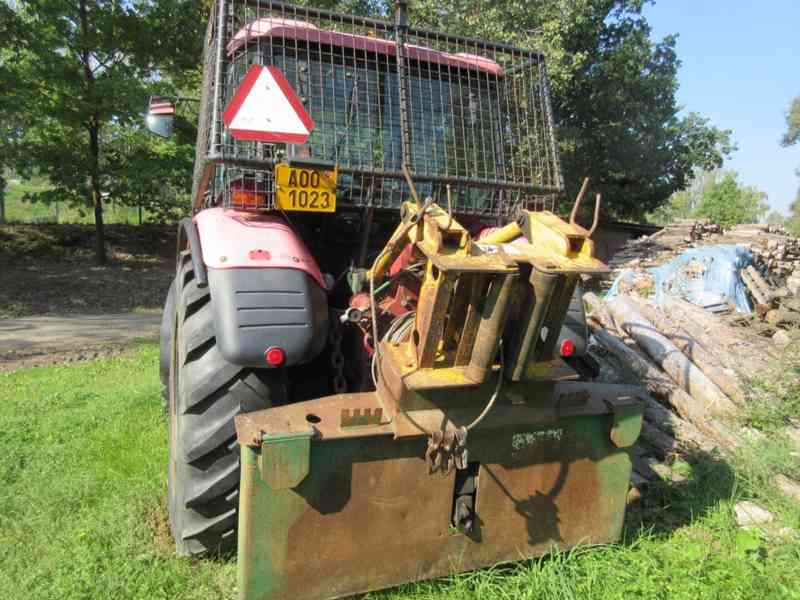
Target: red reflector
{"type": "Point", "coordinates": [275, 356]}
{"type": "Point", "coordinates": [243, 199]}
{"type": "Point", "coordinates": [567, 348]}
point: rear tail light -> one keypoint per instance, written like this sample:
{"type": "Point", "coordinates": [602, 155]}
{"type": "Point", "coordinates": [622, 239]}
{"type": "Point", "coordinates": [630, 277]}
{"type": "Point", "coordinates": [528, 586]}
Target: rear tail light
{"type": "Point", "coordinates": [248, 195]}
{"type": "Point", "coordinates": [567, 348]}
{"type": "Point", "coordinates": [275, 356]}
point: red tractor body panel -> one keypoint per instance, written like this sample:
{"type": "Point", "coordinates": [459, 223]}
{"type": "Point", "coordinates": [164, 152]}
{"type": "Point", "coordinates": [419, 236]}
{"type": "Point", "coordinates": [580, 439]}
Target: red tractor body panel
{"type": "Point", "coordinates": [235, 239]}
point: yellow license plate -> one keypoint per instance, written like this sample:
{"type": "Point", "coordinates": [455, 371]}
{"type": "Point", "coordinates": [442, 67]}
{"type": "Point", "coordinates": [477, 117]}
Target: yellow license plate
{"type": "Point", "coordinates": [307, 190]}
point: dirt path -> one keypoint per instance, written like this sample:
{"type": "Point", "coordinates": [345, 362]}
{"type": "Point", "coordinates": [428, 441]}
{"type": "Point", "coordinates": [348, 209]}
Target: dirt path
{"type": "Point", "coordinates": [44, 340]}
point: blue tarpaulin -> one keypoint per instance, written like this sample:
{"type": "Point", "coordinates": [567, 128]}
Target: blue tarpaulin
{"type": "Point", "coordinates": [705, 276]}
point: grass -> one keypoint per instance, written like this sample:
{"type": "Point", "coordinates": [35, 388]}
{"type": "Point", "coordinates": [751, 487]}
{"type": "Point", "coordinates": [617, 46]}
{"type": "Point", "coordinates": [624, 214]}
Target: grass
{"type": "Point", "coordinates": [20, 211]}
{"type": "Point", "coordinates": [83, 481]}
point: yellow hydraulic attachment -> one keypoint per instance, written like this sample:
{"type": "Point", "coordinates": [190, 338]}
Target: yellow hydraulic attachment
{"type": "Point", "coordinates": [515, 285]}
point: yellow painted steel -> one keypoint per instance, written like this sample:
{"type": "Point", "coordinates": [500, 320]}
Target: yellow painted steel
{"type": "Point", "coordinates": [503, 235]}
{"type": "Point", "coordinates": [556, 245]}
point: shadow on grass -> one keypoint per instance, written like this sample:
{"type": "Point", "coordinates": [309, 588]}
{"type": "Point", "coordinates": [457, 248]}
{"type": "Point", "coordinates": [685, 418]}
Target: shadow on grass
{"type": "Point", "coordinates": [664, 506]}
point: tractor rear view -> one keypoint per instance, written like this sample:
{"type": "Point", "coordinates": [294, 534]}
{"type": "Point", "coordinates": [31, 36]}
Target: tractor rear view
{"type": "Point", "coordinates": [364, 355]}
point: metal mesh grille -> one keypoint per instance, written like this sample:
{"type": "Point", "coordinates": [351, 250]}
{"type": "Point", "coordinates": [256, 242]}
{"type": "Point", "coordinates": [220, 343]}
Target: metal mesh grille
{"type": "Point", "coordinates": [468, 113]}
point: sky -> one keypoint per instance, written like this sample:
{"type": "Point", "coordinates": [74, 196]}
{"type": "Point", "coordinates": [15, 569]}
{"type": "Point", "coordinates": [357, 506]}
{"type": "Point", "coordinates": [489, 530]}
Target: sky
{"type": "Point", "coordinates": [741, 69]}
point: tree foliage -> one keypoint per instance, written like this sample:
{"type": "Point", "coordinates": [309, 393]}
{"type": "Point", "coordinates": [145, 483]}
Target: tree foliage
{"type": "Point", "coordinates": [92, 63]}
{"type": "Point", "coordinates": [683, 203]}
{"type": "Point", "coordinates": [728, 203]}
{"type": "Point", "coordinates": [790, 138]}
{"type": "Point", "coordinates": [792, 135]}
{"type": "Point", "coordinates": [613, 90]}
{"type": "Point", "coordinates": [776, 218]}
{"type": "Point", "coordinates": [87, 68]}
{"type": "Point", "coordinates": [613, 93]}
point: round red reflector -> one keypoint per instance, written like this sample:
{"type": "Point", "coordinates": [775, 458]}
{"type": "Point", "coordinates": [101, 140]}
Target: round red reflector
{"type": "Point", "coordinates": [275, 356]}
{"type": "Point", "coordinates": [567, 348]}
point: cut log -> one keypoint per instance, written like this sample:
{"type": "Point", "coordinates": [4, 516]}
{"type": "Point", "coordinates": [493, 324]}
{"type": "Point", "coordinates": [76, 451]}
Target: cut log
{"type": "Point", "coordinates": [664, 353]}
{"type": "Point", "coordinates": [734, 346]}
{"type": "Point", "coordinates": [695, 351]}
{"type": "Point", "coordinates": [660, 385]}
{"type": "Point", "coordinates": [792, 304]}
{"type": "Point", "coordinates": [650, 469]}
{"type": "Point", "coordinates": [664, 444]}
{"type": "Point", "coordinates": [665, 472]}
{"type": "Point", "coordinates": [753, 288]}
{"type": "Point", "coordinates": [765, 288]}
{"type": "Point", "coordinates": [599, 310]}
{"type": "Point", "coordinates": [642, 468]}
{"type": "Point", "coordinates": [778, 316]}
{"type": "Point", "coordinates": [686, 435]}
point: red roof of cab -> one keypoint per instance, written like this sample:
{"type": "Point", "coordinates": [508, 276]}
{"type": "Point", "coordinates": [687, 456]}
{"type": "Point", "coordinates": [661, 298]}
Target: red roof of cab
{"type": "Point", "coordinates": [301, 30]}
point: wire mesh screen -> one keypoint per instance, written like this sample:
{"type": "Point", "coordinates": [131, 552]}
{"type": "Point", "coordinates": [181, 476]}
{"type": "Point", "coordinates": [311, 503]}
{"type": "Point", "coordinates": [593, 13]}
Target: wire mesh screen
{"type": "Point", "coordinates": [466, 114]}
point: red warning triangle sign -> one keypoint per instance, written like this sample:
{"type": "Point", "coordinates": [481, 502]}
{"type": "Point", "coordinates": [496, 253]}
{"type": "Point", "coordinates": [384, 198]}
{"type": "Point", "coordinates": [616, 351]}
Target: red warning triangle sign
{"type": "Point", "coordinates": [266, 109]}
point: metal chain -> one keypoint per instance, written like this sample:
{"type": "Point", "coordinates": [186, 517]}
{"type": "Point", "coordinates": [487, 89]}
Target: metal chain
{"type": "Point", "coordinates": [337, 358]}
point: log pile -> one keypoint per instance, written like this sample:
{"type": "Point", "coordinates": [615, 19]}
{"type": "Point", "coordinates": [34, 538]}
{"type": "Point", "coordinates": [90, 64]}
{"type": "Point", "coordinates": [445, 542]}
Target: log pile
{"type": "Point", "coordinates": [772, 282]}
{"type": "Point", "coordinates": [775, 251]}
{"type": "Point", "coordinates": [656, 249]}
{"type": "Point", "coordinates": [691, 363]}
{"type": "Point", "coordinates": [691, 387]}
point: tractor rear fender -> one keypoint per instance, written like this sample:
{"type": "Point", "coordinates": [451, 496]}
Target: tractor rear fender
{"type": "Point", "coordinates": [187, 231]}
{"type": "Point", "coordinates": [233, 239]}
{"type": "Point", "coordinates": [266, 289]}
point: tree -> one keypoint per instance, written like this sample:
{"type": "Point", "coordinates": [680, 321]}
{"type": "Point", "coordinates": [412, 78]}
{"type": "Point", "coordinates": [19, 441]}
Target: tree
{"type": "Point", "coordinates": [613, 93]}
{"type": "Point", "coordinates": [9, 99]}
{"type": "Point", "coordinates": [88, 67]}
{"type": "Point", "coordinates": [151, 173]}
{"type": "Point", "coordinates": [792, 135]}
{"type": "Point", "coordinates": [728, 203]}
{"type": "Point", "coordinates": [683, 203]}
{"type": "Point", "coordinates": [790, 138]}
{"type": "Point", "coordinates": [776, 218]}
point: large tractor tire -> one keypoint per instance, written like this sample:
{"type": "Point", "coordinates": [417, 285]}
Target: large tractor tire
{"type": "Point", "coordinates": [206, 393]}
{"type": "Point", "coordinates": [165, 342]}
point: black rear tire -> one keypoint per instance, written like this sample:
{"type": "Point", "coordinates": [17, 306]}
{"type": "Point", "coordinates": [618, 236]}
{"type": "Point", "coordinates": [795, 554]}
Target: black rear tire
{"type": "Point", "coordinates": [165, 344]}
{"type": "Point", "coordinates": [206, 392]}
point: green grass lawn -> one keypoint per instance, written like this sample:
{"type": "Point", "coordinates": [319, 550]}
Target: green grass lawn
{"type": "Point", "coordinates": [83, 482]}
{"type": "Point", "coordinates": [20, 211]}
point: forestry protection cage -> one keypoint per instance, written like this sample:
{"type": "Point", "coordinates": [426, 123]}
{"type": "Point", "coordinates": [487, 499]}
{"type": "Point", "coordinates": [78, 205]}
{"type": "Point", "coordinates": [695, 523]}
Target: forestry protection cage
{"type": "Point", "coordinates": [471, 114]}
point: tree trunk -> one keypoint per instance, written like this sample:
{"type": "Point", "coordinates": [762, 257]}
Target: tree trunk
{"type": "Point", "coordinates": [659, 384]}
{"type": "Point", "coordinates": [694, 350]}
{"type": "Point", "coordinates": [735, 347]}
{"type": "Point", "coordinates": [664, 353]}
{"type": "Point", "coordinates": [94, 141]}
{"type": "Point", "coordinates": [2, 197]}
{"type": "Point", "coordinates": [97, 197]}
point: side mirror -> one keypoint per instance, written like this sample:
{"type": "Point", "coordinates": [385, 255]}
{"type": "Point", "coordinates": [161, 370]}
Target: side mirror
{"type": "Point", "coordinates": [160, 116]}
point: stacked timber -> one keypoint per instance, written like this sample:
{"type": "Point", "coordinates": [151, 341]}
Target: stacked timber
{"type": "Point", "coordinates": [772, 281]}
{"type": "Point", "coordinates": [692, 386]}
{"type": "Point", "coordinates": [692, 363]}
{"type": "Point", "coordinates": [656, 249]}
{"type": "Point", "coordinates": [776, 253]}
{"type": "Point", "coordinates": [774, 250]}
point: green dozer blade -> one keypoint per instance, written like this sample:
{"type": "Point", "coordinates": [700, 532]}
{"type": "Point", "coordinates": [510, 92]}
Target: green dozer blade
{"type": "Point", "coordinates": [334, 503]}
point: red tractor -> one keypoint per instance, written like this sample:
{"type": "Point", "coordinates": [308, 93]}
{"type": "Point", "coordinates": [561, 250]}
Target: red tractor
{"type": "Point", "coordinates": [364, 351]}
